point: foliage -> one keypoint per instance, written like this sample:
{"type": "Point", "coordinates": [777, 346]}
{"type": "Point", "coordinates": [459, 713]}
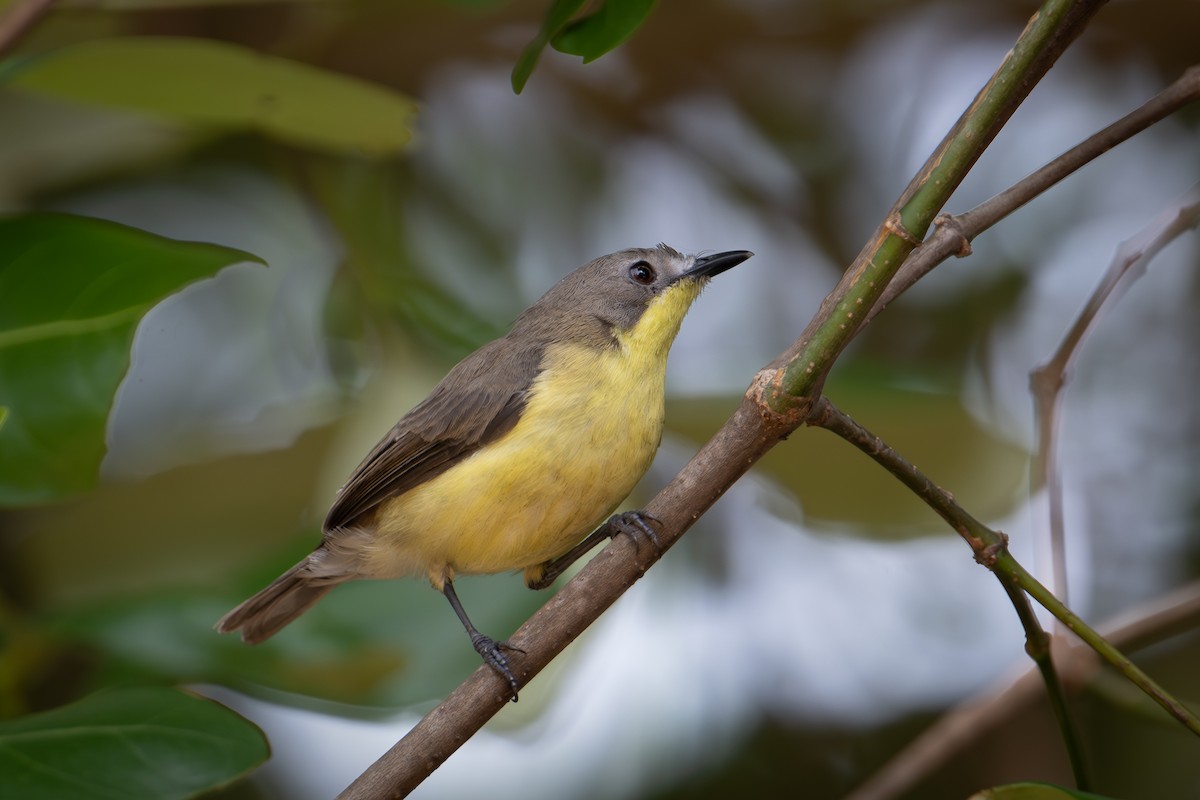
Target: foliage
{"type": "Point", "coordinates": [72, 291]}
{"type": "Point", "coordinates": [589, 37]}
{"type": "Point", "coordinates": [145, 742]}
{"type": "Point", "coordinates": [216, 84]}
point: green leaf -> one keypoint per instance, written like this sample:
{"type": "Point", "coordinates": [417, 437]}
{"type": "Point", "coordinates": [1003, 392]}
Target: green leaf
{"type": "Point", "coordinates": [596, 34]}
{"type": "Point", "coordinates": [224, 85]}
{"type": "Point", "coordinates": [556, 19]}
{"type": "Point", "coordinates": [72, 291]}
{"type": "Point", "coordinates": [1034, 791]}
{"type": "Point", "coordinates": [346, 649]}
{"type": "Point", "coordinates": [145, 742]}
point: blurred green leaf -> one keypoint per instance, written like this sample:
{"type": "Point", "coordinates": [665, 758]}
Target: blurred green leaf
{"type": "Point", "coordinates": [72, 291]}
{"type": "Point", "coordinates": [1034, 791]}
{"type": "Point", "coordinates": [596, 34]}
{"type": "Point", "coordinates": [918, 413]}
{"type": "Point", "coordinates": [225, 85]}
{"type": "Point", "coordinates": [145, 742]}
{"type": "Point", "coordinates": [386, 644]}
{"type": "Point", "coordinates": [556, 19]}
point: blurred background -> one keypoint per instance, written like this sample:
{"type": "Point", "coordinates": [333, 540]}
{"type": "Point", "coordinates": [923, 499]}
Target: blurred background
{"type": "Point", "coordinates": [818, 618]}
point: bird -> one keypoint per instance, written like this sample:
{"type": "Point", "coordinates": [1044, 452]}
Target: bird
{"type": "Point", "coordinates": [518, 455]}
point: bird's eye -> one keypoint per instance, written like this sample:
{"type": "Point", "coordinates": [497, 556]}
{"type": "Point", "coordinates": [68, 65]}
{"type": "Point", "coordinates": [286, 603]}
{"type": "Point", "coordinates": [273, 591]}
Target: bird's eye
{"type": "Point", "coordinates": [642, 273]}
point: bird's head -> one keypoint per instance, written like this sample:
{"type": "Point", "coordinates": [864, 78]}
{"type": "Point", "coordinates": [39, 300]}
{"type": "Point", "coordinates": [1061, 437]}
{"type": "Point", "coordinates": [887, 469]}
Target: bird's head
{"type": "Point", "coordinates": [636, 297]}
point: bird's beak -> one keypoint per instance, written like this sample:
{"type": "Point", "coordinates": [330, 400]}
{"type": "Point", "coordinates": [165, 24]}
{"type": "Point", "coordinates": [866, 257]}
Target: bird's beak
{"type": "Point", "coordinates": [708, 266]}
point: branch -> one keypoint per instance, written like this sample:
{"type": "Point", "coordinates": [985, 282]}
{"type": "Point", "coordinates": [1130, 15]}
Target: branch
{"type": "Point", "coordinates": [1047, 381]}
{"type": "Point", "coordinates": [991, 550]}
{"type": "Point", "coordinates": [776, 403]}
{"type": "Point", "coordinates": [803, 367]}
{"type": "Point", "coordinates": [20, 17]}
{"type": "Point", "coordinates": [955, 233]}
{"type": "Point", "coordinates": [961, 729]}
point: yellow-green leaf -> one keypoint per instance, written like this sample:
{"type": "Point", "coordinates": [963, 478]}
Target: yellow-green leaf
{"type": "Point", "coordinates": [228, 86]}
{"type": "Point", "coordinates": [1034, 791]}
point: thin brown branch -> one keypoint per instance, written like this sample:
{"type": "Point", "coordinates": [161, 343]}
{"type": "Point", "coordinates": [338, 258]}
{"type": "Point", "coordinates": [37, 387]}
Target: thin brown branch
{"type": "Point", "coordinates": [961, 729]}
{"type": "Point", "coordinates": [988, 546]}
{"type": "Point", "coordinates": [1047, 381]}
{"type": "Point", "coordinates": [983, 541]}
{"type": "Point", "coordinates": [18, 19]}
{"type": "Point", "coordinates": [954, 234]}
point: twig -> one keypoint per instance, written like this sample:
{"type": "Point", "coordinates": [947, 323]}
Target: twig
{"type": "Point", "coordinates": [776, 403]}
{"type": "Point", "coordinates": [954, 234]}
{"type": "Point", "coordinates": [1009, 566]}
{"type": "Point", "coordinates": [842, 314]}
{"type": "Point", "coordinates": [20, 17]}
{"type": "Point", "coordinates": [990, 548]}
{"type": "Point", "coordinates": [1047, 381]}
{"type": "Point", "coordinates": [959, 729]}
{"type": "Point", "coordinates": [1039, 647]}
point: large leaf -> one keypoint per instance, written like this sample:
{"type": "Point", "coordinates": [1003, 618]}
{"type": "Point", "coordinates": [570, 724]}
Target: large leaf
{"type": "Point", "coordinates": [347, 649]}
{"type": "Point", "coordinates": [145, 742]}
{"type": "Point", "coordinates": [594, 35]}
{"type": "Point", "coordinates": [556, 19]}
{"type": "Point", "coordinates": [590, 37]}
{"type": "Point", "coordinates": [72, 291]}
{"type": "Point", "coordinates": [224, 85]}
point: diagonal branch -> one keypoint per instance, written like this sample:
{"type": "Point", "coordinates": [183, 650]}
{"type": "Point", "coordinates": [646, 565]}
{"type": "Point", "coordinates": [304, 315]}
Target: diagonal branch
{"type": "Point", "coordinates": [991, 550]}
{"type": "Point", "coordinates": [803, 367]}
{"type": "Point", "coordinates": [974, 721]}
{"type": "Point", "coordinates": [954, 234]}
{"type": "Point", "coordinates": [18, 19]}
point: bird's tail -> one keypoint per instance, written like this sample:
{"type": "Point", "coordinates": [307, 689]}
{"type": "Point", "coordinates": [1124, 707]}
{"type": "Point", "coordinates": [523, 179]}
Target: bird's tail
{"type": "Point", "coordinates": [288, 596]}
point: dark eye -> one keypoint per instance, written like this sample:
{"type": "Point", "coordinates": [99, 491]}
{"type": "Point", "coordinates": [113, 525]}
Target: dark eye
{"type": "Point", "coordinates": [642, 273]}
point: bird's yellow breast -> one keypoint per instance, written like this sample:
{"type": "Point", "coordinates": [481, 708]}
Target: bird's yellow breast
{"type": "Point", "coordinates": [587, 434]}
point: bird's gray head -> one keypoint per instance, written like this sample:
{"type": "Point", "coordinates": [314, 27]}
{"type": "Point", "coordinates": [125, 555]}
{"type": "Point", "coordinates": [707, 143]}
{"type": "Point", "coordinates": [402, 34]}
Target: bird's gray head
{"type": "Point", "coordinates": [611, 294]}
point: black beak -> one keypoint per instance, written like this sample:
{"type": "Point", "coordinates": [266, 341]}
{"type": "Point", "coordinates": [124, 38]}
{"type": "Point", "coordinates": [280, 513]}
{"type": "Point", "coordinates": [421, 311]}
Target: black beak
{"type": "Point", "coordinates": [708, 266]}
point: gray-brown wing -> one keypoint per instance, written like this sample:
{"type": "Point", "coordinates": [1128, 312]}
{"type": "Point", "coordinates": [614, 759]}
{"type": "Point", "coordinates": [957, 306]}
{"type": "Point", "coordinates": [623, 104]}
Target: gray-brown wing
{"type": "Point", "coordinates": [479, 401]}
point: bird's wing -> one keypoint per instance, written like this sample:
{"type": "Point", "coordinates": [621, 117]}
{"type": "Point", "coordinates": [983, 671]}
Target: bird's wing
{"type": "Point", "coordinates": [479, 401]}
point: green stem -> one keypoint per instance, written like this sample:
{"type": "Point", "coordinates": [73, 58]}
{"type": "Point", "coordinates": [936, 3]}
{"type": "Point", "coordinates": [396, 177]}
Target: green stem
{"type": "Point", "coordinates": [845, 310]}
{"type": "Point", "coordinates": [991, 550]}
{"type": "Point", "coordinates": [1011, 570]}
{"type": "Point", "coordinates": [1037, 646]}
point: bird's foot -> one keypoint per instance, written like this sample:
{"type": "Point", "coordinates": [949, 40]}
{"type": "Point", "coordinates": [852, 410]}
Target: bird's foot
{"type": "Point", "coordinates": [492, 653]}
{"type": "Point", "coordinates": [636, 525]}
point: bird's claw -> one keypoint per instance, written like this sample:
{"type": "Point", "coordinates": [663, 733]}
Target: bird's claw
{"type": "Point", "coordinates": [492, 653]}
{"type": "Point", "coordinates": [636, 525]}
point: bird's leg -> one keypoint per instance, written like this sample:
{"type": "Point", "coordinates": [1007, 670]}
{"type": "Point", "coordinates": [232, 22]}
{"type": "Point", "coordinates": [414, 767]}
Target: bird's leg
{"type": "Point", "coordinates": [488, 648]}
{"type": "Point", "coordinates": [634, 524]}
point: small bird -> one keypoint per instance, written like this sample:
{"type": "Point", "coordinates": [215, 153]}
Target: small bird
{"type": "Point", "coordinates": [517, 454]}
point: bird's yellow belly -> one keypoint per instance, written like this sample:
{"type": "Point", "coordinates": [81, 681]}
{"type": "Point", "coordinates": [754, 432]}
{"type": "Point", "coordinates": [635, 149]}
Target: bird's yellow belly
{"type": "Point", "coordinates": [586, 436]}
